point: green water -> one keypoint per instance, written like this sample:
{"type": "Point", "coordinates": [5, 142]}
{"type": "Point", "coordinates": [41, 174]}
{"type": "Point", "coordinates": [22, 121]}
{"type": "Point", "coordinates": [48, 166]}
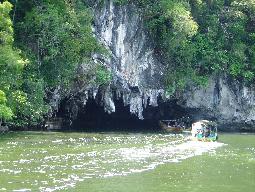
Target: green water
{"type": "Point", "coordinates": [39, 161]}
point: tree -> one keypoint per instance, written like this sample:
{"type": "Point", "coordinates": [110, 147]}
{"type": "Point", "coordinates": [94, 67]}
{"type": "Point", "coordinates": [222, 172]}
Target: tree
{"type": "Point", "coordinates": [11, 63]}
{"type": "Point", "coordinates": [5, 112]}
{"type": "Point", "coordinates": [60, 34]}
{"type": "Point", "coordinates": [16, 100]}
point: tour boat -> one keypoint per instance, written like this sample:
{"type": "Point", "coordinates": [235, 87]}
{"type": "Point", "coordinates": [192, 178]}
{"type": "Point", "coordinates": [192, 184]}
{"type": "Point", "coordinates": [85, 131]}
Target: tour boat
{"type": "Point", "coordinates": [204, 130]}
{"type": "Point", "coordinates": [170, 126]}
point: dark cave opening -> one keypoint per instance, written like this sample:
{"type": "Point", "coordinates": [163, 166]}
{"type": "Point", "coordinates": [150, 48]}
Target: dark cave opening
{"type": "Point", "coordinates": [93, 118]}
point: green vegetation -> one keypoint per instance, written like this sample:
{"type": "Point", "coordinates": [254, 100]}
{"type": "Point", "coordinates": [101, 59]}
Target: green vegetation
{"type": "Point", "coordinates": [198, 38]}
{"type": "Point", "coordinates": [5, 111]}
{"type": "Point", "coordinates": [43, 42]}
{"type": "Point", "coordinates": [103, 76]}
{"type": "Point", "coordinates": [11, 66]}
{"type": "Point", "coordinates": [61, 37]}
{"type": "Point", "coordinates": [53, 38]}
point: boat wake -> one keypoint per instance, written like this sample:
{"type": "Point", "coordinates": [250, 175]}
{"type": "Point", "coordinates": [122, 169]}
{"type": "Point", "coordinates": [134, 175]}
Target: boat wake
{"type": "Point", "coordinates": [130, 160]}
{"type": "Point", "coordinates": [150, 156]}
{"type": "Point", "coordinates": [109, 156]}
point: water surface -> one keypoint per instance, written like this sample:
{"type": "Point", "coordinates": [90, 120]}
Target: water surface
{"type": "Point", "coordinates": [41, 161]}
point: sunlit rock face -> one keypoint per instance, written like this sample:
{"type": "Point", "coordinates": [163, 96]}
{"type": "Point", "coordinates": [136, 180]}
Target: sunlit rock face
{"type": "Point", "coordinates": [227, 101]}
{"type": "Point", "coordinates": [137, 74]}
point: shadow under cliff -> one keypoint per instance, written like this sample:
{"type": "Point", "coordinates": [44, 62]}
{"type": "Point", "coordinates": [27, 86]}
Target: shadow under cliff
{"type": "Point", "coordinates": [93, 118]}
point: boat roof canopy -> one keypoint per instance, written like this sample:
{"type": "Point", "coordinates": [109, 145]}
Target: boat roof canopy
{"type": "Point", "coordinates": [208, 124]}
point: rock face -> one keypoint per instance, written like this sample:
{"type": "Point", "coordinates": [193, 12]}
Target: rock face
{"type": "Point", "coordinates": [137, 74]}
{"type": "Point", "coordinates": [228, 102]}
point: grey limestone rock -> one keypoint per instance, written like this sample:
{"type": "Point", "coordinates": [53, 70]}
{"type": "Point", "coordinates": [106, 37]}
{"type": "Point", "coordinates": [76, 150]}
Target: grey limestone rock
{"type": "Point", "coordinates": [136, 72]}
{"type": "Point", "coordinates": [229, 102]}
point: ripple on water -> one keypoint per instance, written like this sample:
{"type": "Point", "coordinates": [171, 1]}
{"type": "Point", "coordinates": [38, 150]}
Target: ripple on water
{"type": "Point", "coordinates": [22, 190]}
{"type": "Point", "coordinates": [63, 165]}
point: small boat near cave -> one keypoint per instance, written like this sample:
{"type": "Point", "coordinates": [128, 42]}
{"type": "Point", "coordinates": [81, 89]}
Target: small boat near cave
{"type": "Point", "coordinates": [171, 126]}
{"type": "Point", "coordinates": [204, 130]}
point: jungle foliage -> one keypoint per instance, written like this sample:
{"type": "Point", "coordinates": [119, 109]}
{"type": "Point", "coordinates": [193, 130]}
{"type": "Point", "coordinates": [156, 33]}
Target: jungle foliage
{"type": "Point", "coordinates": [198, 38]}
{"type": "Point", "coordinates": [43, 41]}
{"type": "Point", "coordinates": [41, 45]}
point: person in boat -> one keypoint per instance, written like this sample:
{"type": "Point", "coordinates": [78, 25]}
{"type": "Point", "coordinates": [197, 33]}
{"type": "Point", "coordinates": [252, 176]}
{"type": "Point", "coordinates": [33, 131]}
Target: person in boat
{"type": "Point", "coordinates": [197, 128]}
{"type": "Point", "coordinates": [204, 130]}
{"type": "Point", "coordinates": [207, 131]}
{"type": "Point", "coordinates": [200, 134]}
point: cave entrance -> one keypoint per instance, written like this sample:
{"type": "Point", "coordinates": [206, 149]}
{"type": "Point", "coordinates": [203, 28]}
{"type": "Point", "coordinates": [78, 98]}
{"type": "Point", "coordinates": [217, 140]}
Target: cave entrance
{"type": "Point", "coordinates": [93, 118]}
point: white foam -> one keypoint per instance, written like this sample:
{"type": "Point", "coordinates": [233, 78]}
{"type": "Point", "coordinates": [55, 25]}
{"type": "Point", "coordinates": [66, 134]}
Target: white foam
{"type": "Point", "coordinates": [119, 159]}
{"type": "Point", "coordinates": [21, 190]}
{"type": "Point", "coordinates": [150, 156]}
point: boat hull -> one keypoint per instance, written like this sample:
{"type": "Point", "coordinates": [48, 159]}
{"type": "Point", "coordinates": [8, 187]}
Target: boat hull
{"type": "Point", "coordinates": [170, 129]}
{"type": "Point", "coordinates": [205, 139]}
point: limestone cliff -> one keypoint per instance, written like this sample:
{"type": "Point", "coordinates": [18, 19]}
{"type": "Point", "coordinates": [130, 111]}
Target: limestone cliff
{"type": "Point", "coordinates": [137, 73]}
{"type": "Point", "coordinates": [227, 101]}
